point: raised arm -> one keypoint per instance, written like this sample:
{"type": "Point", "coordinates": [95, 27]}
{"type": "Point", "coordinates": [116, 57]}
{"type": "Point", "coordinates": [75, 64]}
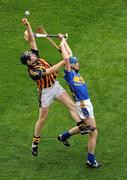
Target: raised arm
{"type": "Point", "coordinates": [68, 49]}
{"type": "Point", "coordinates": [66, 52]}
{"type": "Point", "coordinates": [30, 37]}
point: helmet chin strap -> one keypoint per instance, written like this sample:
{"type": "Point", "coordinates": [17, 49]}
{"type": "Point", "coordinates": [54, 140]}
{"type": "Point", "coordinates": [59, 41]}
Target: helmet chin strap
{"type": "Point", "coordinates": [76, 70]}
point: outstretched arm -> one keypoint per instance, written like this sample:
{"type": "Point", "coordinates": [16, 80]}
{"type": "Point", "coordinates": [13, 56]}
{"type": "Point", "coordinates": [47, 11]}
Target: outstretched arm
{"type": "Point", "coordinates": [39, 73]}
{"type": "Point", "coordinates": [66, 52]}
{"type": "Point", "coordinates": [55, 68]}
{"type": "Point", "coordinates": [31, 38]}
{"type": "Point", "coordinates": [68, 49]}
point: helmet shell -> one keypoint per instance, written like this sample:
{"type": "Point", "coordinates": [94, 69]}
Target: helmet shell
{"type": "Point", "coordinates": [24, 57]}
{"type": "Point", "coordinates": [73, 60]}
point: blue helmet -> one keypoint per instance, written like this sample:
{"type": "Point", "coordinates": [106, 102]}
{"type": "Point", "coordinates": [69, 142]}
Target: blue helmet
{"type": "Point", "coordinates": [73, 60]}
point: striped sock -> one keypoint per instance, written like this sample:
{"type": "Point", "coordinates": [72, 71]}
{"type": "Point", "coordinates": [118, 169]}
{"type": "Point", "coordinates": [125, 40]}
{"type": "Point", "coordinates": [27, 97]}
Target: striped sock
{"type": "Point", "coordinates": [36, 140]}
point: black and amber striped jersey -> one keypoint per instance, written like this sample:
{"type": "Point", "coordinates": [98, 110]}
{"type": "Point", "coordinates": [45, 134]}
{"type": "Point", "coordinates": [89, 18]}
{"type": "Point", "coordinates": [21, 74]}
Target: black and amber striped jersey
{"type": "Point", "coordinates": [37, 73]}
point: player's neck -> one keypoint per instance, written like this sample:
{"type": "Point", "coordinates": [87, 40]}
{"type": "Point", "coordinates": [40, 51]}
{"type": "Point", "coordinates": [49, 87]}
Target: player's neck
{"type": "Point", "coordinates": [75, 70]}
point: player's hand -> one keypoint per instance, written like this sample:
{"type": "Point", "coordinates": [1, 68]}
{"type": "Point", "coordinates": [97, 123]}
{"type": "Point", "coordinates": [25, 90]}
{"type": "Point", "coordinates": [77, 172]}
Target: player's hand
{"type": "Point", "coordinates": [61, 36]}
{"type": "Point", "coordinates": [25, 21]}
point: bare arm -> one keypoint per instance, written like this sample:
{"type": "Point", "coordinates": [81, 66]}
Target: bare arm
{"type": "Point", "coordinates": [65, 55]}
{"type": "Point", "coordinates": [55, 68]}
{"type": "Point", "coordinates": [68, 49]}
{"type": "Point", "coordinates": [31, 38]}
{"type": "Point", "coordinates": [38, 73]}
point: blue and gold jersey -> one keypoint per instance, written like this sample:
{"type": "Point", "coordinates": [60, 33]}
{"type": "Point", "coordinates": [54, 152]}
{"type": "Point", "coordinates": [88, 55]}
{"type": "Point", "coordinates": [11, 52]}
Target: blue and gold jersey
{"type": "Point", "coordinates": [77, 85]}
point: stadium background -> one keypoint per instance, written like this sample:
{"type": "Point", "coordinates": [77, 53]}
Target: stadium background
{"type": "Point", "coordinates": [98, 36]}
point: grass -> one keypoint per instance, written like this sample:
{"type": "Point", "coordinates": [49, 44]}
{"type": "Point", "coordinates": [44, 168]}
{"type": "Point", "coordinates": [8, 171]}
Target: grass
{"type": "Point", "coordinates": [97, 34]}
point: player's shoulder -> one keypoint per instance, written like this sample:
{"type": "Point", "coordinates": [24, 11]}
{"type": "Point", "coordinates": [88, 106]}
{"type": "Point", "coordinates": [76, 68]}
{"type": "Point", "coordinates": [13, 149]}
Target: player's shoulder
{"type": "Point", "coordinates": [44, 62]}
{"type": "Point", "coordinates": [66, 71]}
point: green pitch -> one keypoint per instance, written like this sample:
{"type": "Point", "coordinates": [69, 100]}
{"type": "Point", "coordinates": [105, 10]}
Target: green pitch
{"type": "Point", "coordinates": [98, 36]}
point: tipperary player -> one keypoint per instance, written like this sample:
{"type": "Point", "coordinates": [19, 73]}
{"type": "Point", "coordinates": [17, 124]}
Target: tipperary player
{"type": "Point", "coordinates": [82, 101]}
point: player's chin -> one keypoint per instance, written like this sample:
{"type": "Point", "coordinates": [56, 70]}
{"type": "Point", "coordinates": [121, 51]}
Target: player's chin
{"type": "Point", "coordinates": [35, 63]}
{"type": "Point", "coordinates": [77, 69]}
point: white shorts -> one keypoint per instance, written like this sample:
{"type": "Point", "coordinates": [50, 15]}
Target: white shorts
{"type": "Point", "coordinates": [85, 104]}
{"type": "Point", "coordinates": [49, 94]}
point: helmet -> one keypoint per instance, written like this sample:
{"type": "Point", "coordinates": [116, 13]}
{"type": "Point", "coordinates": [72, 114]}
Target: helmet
{"type": "Point", "coordinates": [24, 57]}
{"type": "Point", "coordinates": [73, 60]}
